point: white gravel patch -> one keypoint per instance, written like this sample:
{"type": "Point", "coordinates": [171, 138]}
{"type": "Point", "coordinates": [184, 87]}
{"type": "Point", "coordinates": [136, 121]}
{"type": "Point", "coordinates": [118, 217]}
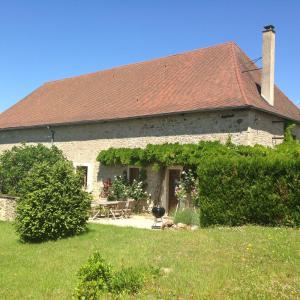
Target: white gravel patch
{"type": "Point", "coordinates": [144, 222]}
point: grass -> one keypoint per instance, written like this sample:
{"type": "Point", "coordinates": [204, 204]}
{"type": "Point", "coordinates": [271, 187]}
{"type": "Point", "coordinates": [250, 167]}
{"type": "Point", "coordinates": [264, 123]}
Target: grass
{"type": "Point", "coordinates": [187, 216]}
{"type": "Point", "coordinates": [217, 263]}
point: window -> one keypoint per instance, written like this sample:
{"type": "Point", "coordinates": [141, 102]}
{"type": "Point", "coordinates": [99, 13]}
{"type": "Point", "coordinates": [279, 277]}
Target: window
{"type": "Point", "coordinates": [133, 174]}
{"type": "Point", "coordinates": [83, 171]}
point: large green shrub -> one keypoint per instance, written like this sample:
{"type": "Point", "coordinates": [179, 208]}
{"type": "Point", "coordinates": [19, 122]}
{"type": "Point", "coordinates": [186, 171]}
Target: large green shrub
{"type": "Point", "coordinates": [17, 162]}
{"type": "Point", "coordinates": [254, 190]}
{"type": "Point", "coordinates": [52, 204]}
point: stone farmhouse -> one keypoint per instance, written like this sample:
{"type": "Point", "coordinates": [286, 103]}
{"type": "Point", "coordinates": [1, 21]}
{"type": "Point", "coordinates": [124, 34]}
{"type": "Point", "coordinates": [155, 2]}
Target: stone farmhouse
{"type": "Point", "coordinates": [205, 94]}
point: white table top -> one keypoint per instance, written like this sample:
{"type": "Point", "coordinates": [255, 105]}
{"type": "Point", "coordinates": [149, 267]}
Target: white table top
{"type": "Point", "coordinates": [104, 201]}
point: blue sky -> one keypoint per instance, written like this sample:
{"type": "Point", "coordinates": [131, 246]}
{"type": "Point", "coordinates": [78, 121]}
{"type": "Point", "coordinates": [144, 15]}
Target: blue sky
{"type": "Point", "coordinates": [46, 40]}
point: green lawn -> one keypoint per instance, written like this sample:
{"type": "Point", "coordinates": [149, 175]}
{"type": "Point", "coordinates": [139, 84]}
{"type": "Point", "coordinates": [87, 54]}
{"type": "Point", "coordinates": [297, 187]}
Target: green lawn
{"type": "Point", "coordinates": [216, 263]}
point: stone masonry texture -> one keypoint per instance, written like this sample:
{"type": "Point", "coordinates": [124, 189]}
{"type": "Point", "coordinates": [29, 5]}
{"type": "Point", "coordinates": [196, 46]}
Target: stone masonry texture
{"type": "Point", "coordinates": [82, 143]}
{"type": "Point", "coordinates": [7, 208]}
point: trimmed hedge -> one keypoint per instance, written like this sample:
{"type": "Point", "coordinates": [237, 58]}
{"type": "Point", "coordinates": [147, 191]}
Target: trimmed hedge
{"type": "Point", "coordinates": [256, 190]}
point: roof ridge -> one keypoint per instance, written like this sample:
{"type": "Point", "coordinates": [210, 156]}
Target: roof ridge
{"type": "Point", "coordinates": [140, 62]}
{"type": "Point", "coordinates": [236, 69]}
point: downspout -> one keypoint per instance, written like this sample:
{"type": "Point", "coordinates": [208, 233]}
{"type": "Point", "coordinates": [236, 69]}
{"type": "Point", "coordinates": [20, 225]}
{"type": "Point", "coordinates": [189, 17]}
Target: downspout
{"type": "Point", "coordinates": [52, 134]}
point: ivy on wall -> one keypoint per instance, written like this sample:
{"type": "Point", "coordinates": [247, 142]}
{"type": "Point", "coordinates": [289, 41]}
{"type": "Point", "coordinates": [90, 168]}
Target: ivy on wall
{"type": "Point", "coordinates": [189, 155]}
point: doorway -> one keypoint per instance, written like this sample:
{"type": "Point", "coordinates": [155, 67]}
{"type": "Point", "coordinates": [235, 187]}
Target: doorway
{"type": "Point", "coordinates": [174, 178]}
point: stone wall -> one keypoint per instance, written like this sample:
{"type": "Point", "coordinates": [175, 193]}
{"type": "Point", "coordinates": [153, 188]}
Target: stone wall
{"type": "Point", "coordinates": [82, 143]}
{"type": "Point", "coordinates": [267, 130]}
{"type": "Point", "coordinates": [7, 208]}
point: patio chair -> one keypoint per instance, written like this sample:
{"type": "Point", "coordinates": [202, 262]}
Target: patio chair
{"type": "Point", "coordinates": [128, 208]}
{"type": "Point", "coordinates": [99, 211]}
{"type": "Point", "coordinates": [117, 210]}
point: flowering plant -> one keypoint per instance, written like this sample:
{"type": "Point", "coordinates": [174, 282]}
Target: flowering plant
{"type": "Point", "coordinates": [137, 192]}
{"type": "Point", "coordinates": [186, 191]}
{"type": "Point", "coordinates": [120, 189]}
{"type": "Point", "coordinates": [180, 193]}
{"type": "Point", "coordinates": [106, 187]}
{"type": "Point", "coordinates": [188, 180]}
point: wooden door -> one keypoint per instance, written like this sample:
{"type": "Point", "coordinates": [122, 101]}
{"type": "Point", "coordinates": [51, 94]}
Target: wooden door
{"type": "Point", "coordinates": [174, 178]}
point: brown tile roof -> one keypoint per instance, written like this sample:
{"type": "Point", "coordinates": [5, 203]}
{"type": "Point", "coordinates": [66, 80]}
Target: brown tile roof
{"type": "Point", "coordinates": [204, 79]}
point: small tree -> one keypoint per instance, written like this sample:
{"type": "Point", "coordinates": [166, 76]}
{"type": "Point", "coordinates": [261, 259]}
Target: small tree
{"type": "Point", "coordinates": [52, 204]}
{"type": "Point", "coordinates": [288, 135]}
{"type": "Point", "coordinates": [17, 162]}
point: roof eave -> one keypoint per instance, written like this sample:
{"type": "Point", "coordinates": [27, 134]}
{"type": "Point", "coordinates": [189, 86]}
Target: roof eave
{"type": "Point", "coordinates": [125, 118]}
{"type": "Point", "coordinates": [83, 122]}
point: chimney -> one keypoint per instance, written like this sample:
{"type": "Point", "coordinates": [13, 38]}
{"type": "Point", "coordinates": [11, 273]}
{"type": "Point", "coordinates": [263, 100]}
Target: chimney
{"type": "Point", "coordinates": [268, 61]}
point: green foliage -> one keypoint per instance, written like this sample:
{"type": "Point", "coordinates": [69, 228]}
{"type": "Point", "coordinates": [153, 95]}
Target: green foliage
{"type": "Point", "coordinates": [97, 277]}
{"type": "Point", "coordinates": [126, 156]}
{"type": "Point", "coordinates": [236, 184]}
{"type": "Point", "coordinates": [229, 142]}
{"type": "Point", "coordinates": [250, 259]}
{"type": "Point", "coordinates": [254, 190]}
{"type": "Point", "coordinates": [187, 216]}
{"type": "Point", "coordinates": [188, 155]}
{"type": "Point", "coordinates": [137, 192]}
{"type": "Point", "coordinates": [94, 277]}
{"type": "Point", "coordinates": [186, 190]}
{"type": "Point", "coordinates": [17, 162]}
{"type": "Point", "coordinates": [188, 180]}
{"type": "Point", "coordinates": [118, 189]}
{"type": "Point", "coordinates": [122, 190]}
{"type": "Point", "coordinates": [52, 204]}
{"type": "Point", "coordinates": [288, 127]}
{"type": "Point", "coordinates": [127, 281]}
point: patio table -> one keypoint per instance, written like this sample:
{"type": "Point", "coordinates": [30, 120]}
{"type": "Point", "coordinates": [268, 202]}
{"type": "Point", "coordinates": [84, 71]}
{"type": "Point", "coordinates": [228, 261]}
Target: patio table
{"type": "Point", "coordinates": [109, 205]}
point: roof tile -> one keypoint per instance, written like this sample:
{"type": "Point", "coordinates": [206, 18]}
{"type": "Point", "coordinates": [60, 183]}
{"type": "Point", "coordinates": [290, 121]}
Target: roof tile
{"type": "Point", "coordinates": [208, 78]}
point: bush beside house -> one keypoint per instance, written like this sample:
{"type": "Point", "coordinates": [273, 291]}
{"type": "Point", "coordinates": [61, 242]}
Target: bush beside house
{"type": "Point", "coordinates": [52, 203]}
{"type": "Point", "coordinates": [17, 162]}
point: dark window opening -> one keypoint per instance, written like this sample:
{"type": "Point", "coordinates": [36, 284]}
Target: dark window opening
{"type": "Point", "coordinates": [83, 171]}
{"type": "Point", "coordinates": [134, 174]}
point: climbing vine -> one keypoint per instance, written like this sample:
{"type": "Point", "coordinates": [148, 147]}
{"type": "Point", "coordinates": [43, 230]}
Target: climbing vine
{"type": "Point", "coordinates": [189, 155]}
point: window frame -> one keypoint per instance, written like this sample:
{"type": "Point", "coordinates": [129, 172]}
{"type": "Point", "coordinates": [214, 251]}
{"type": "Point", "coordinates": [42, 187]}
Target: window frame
{"type": "Point", "coordinates": [128, 172]}
{"type": "Point", "coordinates": [89, 166]}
